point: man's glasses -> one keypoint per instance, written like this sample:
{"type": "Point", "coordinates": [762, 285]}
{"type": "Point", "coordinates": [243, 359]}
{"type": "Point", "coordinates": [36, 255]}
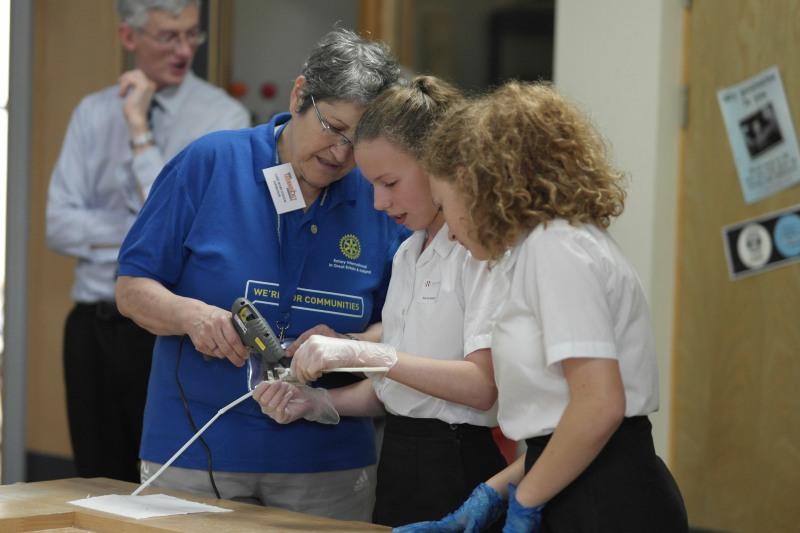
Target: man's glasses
{"type": "Point", "coordinates": [172, 39]}
{"type": "Point", "coordinates": [341, 138]}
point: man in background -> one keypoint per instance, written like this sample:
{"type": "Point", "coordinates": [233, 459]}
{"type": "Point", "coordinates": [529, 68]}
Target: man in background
{"type": "Point", "coordinates": [117, 142]}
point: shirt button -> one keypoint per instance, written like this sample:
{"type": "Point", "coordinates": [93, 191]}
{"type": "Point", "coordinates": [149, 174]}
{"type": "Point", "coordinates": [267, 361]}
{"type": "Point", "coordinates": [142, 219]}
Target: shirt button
{"type": "Point", "coordinates": [314, 229]}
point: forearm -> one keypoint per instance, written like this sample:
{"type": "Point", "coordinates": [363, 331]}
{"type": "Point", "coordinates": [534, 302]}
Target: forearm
{"type": "Point", "coordinates": [358, 399]}
{"type": "Point", "coordinates": [373, 333]}
{"type": "Point", "coordinates": [92, 234]}
{"type": "Point", "coordinates": [589, 420]}
{"type": "Point", "coordinates": [154, 307]}
{"type": "Point", "coordinates": [570, 450]}
{"type": "Point", "coordinates": [146, 166]}
{"type": "Point", "coordinates": [513, 473]}
{"type": "Point", "coordinates": [468, 382]}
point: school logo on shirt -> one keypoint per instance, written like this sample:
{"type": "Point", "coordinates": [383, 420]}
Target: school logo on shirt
{"type": "Point", "coordinates": [430, 290]}
{"type": "Point", "coordinates": [350, 246]}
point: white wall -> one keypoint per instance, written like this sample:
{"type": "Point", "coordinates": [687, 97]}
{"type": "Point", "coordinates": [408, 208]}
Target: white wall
{"type": "Point", "coordinates": [271, 40]}
{"type": "Point", "coordinates": [621, 60]}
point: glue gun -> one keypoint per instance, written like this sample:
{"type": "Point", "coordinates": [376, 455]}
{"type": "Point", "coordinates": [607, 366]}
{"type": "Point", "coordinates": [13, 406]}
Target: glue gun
{"type": "Point", "coordinates": [259, 337]}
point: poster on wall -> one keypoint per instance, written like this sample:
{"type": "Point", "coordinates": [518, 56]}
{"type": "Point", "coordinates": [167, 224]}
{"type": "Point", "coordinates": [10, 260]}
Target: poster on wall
{"type": "Point", "coordinates": [761, 134]}
{"type": "Point", "coordinates": [764, 243]}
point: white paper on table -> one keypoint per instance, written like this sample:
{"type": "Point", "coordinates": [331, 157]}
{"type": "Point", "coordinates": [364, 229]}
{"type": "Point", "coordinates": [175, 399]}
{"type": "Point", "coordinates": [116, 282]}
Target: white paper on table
{"type": "Point", "coordinates": [148, 506]}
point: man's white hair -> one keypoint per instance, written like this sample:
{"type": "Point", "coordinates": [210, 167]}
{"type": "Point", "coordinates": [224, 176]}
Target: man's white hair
{"type": "Point", "coordinates": [134, 12]}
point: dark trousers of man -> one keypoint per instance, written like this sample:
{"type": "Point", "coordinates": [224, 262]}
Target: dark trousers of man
{"type": "Point", "coordinates": [106, 368]}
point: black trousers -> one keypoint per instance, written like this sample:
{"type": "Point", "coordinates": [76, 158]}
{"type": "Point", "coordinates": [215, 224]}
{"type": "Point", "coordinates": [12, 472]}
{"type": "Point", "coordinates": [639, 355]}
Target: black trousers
{"type": "Point", "coordinates": [428, 468]}
{"type": "Point", "coordinates": [106, 368]}
{"type": "Point", "coordinates": [626, 489]}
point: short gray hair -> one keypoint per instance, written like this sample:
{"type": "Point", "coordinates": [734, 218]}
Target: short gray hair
{"type": "Point", "coordinates": [134, 12]}
{"type": "Point", "coordinates": [346, 66]}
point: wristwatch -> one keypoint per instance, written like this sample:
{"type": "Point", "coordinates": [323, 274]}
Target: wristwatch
{"type": "Point", "coordinates": [142, 140]}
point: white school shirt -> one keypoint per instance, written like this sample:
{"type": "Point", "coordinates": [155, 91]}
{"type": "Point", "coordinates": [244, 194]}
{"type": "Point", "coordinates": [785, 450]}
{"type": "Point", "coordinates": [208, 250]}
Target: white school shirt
{"type": "Point", "coordinates": [572, 294]}
{"type": "Point", "coordinates": [439, 305]}
{"type": "Point", "coordinates": [94, 193]}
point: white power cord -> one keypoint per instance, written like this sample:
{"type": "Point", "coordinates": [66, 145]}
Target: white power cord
{"type": "Point", "coordinates": [228, 407]}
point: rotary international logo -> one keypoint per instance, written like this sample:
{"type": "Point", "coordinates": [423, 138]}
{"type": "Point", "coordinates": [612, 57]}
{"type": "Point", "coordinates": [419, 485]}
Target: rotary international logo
{"type": "Point", "coordinates": [350, 246]}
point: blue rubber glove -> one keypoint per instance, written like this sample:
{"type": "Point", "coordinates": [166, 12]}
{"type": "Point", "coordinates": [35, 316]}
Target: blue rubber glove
{"type": "Point", "coordinates": [521, 519]}
{"type": "Point", "coordinates": [483, 507]}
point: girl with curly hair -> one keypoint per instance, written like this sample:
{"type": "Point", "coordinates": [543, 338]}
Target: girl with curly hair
{"type": "Point", "coordinates": [524, 181]}
{"type": "Point", "coordinates": [438, 393]}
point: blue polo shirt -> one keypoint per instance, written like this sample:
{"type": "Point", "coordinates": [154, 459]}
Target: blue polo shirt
{"type": "Point", "coordinates": [209, 230]}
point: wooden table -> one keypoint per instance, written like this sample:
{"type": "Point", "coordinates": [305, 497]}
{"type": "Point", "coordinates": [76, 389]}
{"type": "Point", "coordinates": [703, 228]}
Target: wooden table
{"type": "Point", "coordinates": [43, 507]}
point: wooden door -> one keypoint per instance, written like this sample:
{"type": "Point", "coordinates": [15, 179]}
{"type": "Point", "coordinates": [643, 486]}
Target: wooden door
{"type": "Point", "coordinates": [76, 52]}
{"type": "Point", "coordinates": [736, 397]}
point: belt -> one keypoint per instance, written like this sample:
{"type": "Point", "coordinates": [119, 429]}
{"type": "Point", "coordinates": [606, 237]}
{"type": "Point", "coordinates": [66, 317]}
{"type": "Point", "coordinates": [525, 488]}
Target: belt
{"type": "Point", "coordinates": [103, 310]}
{"type": "Point", "coordinates": [429, 427]}
{"type": "Point", "coordinates": [633, 423]}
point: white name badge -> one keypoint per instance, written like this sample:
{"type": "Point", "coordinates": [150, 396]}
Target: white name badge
{"type": "Point", "coordinates": [429, 291]}
{"type": "Point", "coordinates": [284, 188]}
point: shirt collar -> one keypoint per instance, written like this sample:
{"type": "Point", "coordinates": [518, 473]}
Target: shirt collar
{"type": "Point", "coordinates": [169, 99]}
{"type": "Point", "coordinates": [346, 189]}
{"type": "Point", "coordinates": [268, 130]}
{"type": "Point", "coordinates": [441, 245]}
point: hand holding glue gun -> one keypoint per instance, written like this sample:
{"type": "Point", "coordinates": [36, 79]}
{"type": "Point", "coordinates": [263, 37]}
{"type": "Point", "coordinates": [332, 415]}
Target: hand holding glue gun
{"type": "Point", "coordinates": [213, 335]}
{"type": "Point", "coordinates": [256, 333]}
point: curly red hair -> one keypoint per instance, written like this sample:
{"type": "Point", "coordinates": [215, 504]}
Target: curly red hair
{"type": "Point", "coordinates": [522, 156]}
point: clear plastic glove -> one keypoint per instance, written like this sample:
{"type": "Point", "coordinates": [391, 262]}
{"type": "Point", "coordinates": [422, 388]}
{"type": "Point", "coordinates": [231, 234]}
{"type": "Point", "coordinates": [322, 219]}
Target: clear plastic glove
{"type": "Point", "coordinates": [285, 403]}
{"type": "Point", "coordinates": [481, 509]}
{"type": "Point", "coordinates": [319, 354]}
{"type": "Point", "coordinates": [319, 329]}
{"type": "Point", "coordinates": [521, 519]}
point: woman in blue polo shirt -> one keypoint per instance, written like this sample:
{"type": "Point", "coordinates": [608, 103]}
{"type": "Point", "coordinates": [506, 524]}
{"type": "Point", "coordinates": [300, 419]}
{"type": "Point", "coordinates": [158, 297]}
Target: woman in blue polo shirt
{"type": "Point", "coordinates": [212, 230]}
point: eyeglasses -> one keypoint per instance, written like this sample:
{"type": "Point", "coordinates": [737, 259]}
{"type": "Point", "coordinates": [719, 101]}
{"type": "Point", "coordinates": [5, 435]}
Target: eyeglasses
{"type": "Point", "coordinates": [172, 39]}
{"type": "Point", "coordinates": [342, 139]}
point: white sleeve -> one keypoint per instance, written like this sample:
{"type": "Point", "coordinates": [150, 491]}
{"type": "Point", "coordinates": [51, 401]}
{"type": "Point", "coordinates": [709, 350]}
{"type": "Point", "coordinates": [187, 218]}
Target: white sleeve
{"type": "Point", "coordinates": [146, 167]}
{"type": "Point", "coordinates": [566, 283]}
{"type": "Point", "coordinates": [484, 291]}
{"type": "Point", "coordinates": [74, 226]}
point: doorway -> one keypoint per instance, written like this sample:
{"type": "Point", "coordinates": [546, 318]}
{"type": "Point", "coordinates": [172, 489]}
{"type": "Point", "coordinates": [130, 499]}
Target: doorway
{"type": "Point", "coordinates": [5, 45]}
